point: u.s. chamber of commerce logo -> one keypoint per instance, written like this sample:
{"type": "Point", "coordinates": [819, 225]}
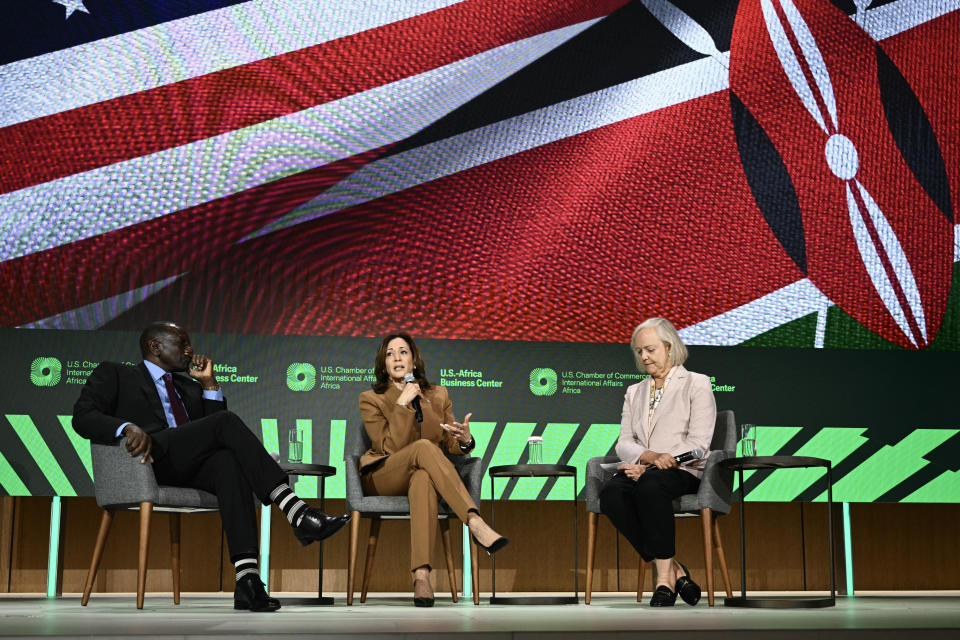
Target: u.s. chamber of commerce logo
{"type": "Point", "coordinates": [543, 381]}
{"type": "Point", "coordinates": [301, 376]}
{"type": "Point", "coordinates": [45, 371]}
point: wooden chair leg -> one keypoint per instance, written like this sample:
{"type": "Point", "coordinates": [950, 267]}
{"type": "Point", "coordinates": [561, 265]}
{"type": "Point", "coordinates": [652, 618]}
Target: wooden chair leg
{"type": "Point", "coordinates": [706, 516]}
{"type": "Point", "coordinates": [591, 553]}
{"type": "Point", "coordinates": [371, 552]}
{"type": "Point", "coordinates": [146, 510]}
{"type": "Point", "coordinates": [175, 554]}
{"type": "Point", "coordinates": [641, 570]}
{"type": "Point", "coordinates": [448, 555]}
{"type": "Point", "coordinates": [352, 559]}
{"type": "Point", "coordinates": [106, 520]}
{"type": "Point", "coordinates": [718, 545]}
{"type": "Point", "coordinates": [475, 569]}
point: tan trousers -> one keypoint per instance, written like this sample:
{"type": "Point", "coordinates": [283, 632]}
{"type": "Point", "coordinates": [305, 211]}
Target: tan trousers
{"type": "Point", "coordinates": [421, 471]}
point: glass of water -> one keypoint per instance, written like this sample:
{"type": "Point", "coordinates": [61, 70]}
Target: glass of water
{"type": "Point", "coordinates": [295, 440]}
{"type": "Point", "coordinates": [748, 440]}
{"type": "Point", "coordinates": [535, 450]}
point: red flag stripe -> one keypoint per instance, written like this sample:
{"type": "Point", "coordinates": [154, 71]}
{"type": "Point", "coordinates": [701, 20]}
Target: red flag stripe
{"type": "Point", "coordinates": [131, 126]}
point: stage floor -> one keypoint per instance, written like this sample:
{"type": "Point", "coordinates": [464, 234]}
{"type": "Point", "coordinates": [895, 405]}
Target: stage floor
{"type": "Point", "coordinates": [875, 615]}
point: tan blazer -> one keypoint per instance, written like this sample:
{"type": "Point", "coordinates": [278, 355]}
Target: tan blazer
{"type": "Point", "coordinates": [683, 421]}
{"type": "Point", "coordinates": [392, 427]}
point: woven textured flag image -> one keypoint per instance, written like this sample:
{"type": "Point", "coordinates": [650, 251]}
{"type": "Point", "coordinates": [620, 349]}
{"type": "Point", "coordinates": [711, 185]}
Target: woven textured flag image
{"type": "Point", "coordinates": [776, 171]}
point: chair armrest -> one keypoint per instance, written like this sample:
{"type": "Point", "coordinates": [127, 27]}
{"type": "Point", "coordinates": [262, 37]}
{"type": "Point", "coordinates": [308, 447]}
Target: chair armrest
{"type": "Point", "coordinates": [119, 479]}
{"type": "Point", "coordinates": [593, 482]}
{"type": "Point", "coordinates": [716, 486]}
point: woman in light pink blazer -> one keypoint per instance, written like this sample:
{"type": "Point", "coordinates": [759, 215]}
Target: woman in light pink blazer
{"type": "Point", "coordinates": [670, 413]}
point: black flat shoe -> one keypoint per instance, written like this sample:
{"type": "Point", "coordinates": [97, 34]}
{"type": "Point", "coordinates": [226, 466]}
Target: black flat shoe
{"type": "Point", "coordinates": [687, 589]}
{"type": "Point", "coordinates": [315, 525]}
{"type": "Point", "coordinates": [419, 601]}
{"type": "Point", "coordinates": [495, 546]}
{"type": "Point", "coordinates": [663, 597]}
{"type": "Point", "coordinates": [250, 595]}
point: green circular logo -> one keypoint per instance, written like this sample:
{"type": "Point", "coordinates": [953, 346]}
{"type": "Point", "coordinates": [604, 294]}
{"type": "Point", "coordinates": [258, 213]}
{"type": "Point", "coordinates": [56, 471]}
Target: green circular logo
{"type": "Point", "coordinates": [543, 382]}
{"type": "Point", "coordinates": [301, 376]}
{"type": "Point", "coordinates": [45, 372]}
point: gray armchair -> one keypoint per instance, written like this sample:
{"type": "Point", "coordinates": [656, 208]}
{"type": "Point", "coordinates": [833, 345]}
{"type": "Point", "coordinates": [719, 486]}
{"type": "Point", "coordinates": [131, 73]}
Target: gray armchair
{"type": "Point", "coordinates": [380, 508]}
{"type": "Point", "coordinates": [713, 499]}
{"type": "Point", "coordinates": [121, 483]}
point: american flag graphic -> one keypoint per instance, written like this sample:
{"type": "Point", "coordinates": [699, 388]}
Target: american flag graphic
{"type": "Point", "coordinates": [538, 170]}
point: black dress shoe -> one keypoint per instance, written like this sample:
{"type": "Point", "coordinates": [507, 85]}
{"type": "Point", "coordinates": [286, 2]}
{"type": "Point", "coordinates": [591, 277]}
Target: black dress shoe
{"type": "Point", "coordinates": [249, 594]}
{"type": "Point", "coordinates": [663, 597]}
{"type": "Point", "coordinates": [687, 588]}
{"type": "Point", "coordinates": [315, 525]}
{"type": "Point", "coordinates": [495, 546]}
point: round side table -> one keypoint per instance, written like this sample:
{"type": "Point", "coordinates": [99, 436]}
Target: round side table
{"type": "Point", "coordinates": [533, 471]}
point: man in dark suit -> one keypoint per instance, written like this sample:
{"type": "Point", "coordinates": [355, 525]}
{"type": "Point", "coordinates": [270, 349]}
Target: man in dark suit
{"type": "Point", "coordinates": [181, 425]}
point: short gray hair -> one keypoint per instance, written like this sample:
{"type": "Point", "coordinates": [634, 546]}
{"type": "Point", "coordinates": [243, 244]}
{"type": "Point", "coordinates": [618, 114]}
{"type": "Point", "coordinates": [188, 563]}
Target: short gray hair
{"type": "Point", "coordinates": [667, 334]}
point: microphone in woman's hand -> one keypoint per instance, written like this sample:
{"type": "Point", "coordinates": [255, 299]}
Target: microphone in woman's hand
{"type": "Point", "coordinates": [418, 412]}
{"type": "Point", "coordinates": [696, 454]}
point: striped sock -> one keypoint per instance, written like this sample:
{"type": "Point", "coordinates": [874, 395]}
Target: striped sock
{"type": "Point", "coordinates": [245, 564]}
{"type": "Point", "coordinates": [292, 506]}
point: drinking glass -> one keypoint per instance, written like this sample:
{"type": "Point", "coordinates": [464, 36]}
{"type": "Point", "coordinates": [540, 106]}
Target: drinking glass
{"type": "Point", "coordinates": [748, 440]}
{"type": "Point", "coordinates": [535, 450]}
{"type": "Point", "coordinates": [295, 440]}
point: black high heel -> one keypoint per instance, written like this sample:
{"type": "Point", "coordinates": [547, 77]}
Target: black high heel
{"type": "Point", "coordinates": [687, 589]}
{"type": "Point", "coordinates": [419, 601]}
{"type": "Point", "coordinates": [495, 546]}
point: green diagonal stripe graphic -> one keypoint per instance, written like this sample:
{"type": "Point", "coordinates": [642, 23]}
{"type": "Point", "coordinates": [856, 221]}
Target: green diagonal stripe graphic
{"type": "Point", "coordinates": [511, 446]}
{"type": "Point", "coordinates": [889, 467]}
{"type": "Point", "coordinates": [769, 442]}
{"type": "Point", "coordinates": [943, 488]}
{"type": "Point", "coordinates": [306, 486]}
{"type": "Point", "coordinates": [41, 453]}
{"type": "Point", "coordinates": [9, 479]}
{"type": "Point", "coordinates": [481, 432]}
{"type": "Point", "coordinates": [268, 430]}
{"type": "Point", "coordinates": [335, 487]}
{"type": "Point", "coordinates": [81, 444]}
{"type": "Point", "coordinates": [596, 442]}
{"type": "Point", "coordinates": [556, 435]}
{"type": "Point", "coordinates": [832, 444]}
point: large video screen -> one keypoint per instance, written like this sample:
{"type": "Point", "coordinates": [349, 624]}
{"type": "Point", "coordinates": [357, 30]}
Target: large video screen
{"type": "Point", "coordinates": [516, 184]}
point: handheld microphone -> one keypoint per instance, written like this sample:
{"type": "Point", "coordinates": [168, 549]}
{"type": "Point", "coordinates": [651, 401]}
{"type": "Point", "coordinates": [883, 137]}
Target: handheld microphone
{"type": "Point", "coordinates": [417, 411]}
{"type": "Point", "coordinates": [696, 454]}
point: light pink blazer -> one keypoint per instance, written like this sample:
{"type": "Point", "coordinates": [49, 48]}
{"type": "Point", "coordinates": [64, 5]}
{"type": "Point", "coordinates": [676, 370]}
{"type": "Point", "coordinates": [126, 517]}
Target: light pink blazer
{"type": "Point", "coordinates": [683, 421]}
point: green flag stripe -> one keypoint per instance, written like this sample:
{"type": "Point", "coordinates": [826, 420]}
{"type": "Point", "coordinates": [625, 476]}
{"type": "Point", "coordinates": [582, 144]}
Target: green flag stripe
{"type": "Point", "coordinates": [81, 444]}
{"type": "Point", "coordinates": [11, 482]}
{"type": "Point", "coordinates": [41, 453]}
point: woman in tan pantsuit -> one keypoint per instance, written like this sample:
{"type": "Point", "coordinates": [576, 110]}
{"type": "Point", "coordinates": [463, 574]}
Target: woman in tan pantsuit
{"type": "Point", "coordinates": [408, 459]}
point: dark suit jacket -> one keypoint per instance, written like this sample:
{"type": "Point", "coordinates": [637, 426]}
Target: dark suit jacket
{"type": "Point", "coordinates": [118, 393]}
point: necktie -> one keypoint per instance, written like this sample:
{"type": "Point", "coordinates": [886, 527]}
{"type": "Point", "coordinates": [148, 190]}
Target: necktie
{"type": "Point", "coordinates": [176, 404]}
